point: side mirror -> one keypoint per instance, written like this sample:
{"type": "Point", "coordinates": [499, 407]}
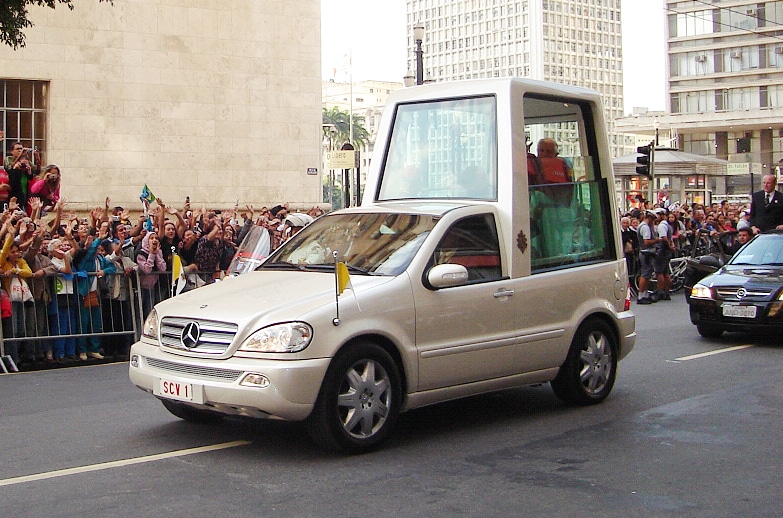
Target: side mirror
{"type": "Point", "coordinates": [447, 275]}
{"type": "Point", "coordinates": [710, 260]}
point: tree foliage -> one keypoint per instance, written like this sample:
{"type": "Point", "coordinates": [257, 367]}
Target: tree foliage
{"type": "Point", "coordinates": [13, 18]}
{"type": "Point", "coordinates": [341, 121]}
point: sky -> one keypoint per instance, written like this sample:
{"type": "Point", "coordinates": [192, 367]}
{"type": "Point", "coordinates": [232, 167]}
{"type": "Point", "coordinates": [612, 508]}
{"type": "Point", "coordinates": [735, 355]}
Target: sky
{"type": "Point", "coordinates": [372, 32]}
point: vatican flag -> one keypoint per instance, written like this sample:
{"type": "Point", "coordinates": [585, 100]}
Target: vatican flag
{"type": "Point", "coordinates": [178, 279]}
{"type": "Point", "coordinates": [343, 278]}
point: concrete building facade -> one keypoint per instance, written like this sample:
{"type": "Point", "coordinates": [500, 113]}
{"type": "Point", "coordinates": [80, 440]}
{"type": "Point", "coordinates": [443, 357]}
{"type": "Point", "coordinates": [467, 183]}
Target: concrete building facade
{"type": "Point", "coordinates": [725, 87]}
{"type": "Point", "coordinates": [215, 101]}
{"type": "Point", "coordinates": [567, 41]}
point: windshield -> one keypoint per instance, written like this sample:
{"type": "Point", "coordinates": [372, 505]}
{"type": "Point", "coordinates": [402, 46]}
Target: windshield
{"type": "Point", "coordinates": [442, 149]}
{"type": "Point", "coordinates": [253, 250]}
{"type": "Point", "coordinates": [765, 250]}
{"type": "Point", "coordinates": [373, 244]}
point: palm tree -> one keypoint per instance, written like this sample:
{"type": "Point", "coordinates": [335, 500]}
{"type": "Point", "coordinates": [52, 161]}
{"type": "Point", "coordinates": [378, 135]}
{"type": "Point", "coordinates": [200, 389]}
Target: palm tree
{"type": "Point", "coordinates": [339, 119]}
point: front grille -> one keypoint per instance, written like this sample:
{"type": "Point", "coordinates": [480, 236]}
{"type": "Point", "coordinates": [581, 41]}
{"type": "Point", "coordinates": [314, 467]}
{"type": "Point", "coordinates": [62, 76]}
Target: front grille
{"type": "Point", "coordinates": [751, 294]}
{"type": "Point", "coordinates": [214, 339]}
{"type": "Point", "coordinates": [212, 373]}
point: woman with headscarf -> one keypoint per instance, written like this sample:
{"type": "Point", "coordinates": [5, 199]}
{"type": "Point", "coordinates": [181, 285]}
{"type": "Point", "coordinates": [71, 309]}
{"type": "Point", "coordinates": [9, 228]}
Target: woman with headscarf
{"type": "Point", "coordinates": [151, 264]}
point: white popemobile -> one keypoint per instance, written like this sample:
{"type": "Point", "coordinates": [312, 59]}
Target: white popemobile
{"type": "Point", "coordinates": [460, 273]}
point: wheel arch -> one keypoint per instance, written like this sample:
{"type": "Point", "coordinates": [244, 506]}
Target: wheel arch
{"type": "Point", "coordinates": [391, 348]}
{"type": "Point", "coordinates": [609, 321]}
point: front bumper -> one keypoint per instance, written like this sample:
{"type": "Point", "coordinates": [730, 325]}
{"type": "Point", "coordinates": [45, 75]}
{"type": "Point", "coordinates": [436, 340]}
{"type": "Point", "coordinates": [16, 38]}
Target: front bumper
{"type": "Point", "coordinates": [216, 385]}
{"type": "Point", "coordinates": [769, 315]}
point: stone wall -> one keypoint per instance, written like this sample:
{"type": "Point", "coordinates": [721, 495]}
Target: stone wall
{"type": "Point", "coordinates": [219, 101]}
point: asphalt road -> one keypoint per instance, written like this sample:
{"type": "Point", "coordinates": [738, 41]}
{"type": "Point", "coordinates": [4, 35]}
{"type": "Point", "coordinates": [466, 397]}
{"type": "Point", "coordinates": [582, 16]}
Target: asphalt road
{"type": "Point", "coordinates": [691, 429]}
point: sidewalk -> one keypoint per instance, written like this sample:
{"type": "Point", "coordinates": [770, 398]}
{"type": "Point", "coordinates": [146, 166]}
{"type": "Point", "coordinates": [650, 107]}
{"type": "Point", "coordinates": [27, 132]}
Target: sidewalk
{"type": "Point", "coordinates": [40, 365]}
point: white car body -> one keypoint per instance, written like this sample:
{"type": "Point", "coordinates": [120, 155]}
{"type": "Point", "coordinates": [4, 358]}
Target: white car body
{"type": "Point", "coordinates": [427, 321]}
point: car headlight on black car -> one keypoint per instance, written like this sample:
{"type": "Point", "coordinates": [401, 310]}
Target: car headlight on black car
{"type": "Point", "coordinates": [288, 337]}
{"type": "Point", "coordinates": [150, 327]}
{"type": "Point", "coordinates": [700, 291]}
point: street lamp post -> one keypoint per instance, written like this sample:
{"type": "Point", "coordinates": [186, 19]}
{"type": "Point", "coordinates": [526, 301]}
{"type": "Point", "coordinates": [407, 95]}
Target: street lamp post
{"type": "Point", "coordinates": [418, 38]}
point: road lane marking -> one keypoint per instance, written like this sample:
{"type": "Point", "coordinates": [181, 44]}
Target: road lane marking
{"type": "Point", "coordinates": [118, 463]}
{"type": "Point", "coordinates": [711, 353]}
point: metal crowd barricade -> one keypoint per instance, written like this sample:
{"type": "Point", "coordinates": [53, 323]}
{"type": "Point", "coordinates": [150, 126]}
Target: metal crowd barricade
{"type": "Point", "coordinates": [35, 326]}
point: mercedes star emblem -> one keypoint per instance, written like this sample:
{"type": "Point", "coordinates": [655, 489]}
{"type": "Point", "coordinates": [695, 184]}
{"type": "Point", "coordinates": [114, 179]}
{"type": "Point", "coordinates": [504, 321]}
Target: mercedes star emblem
{"type": "Point", "coordinates": [190, 335]}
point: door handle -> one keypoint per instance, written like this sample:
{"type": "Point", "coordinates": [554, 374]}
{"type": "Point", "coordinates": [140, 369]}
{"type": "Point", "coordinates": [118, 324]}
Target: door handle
{"type": "Point", "coordinates": [503, 293]}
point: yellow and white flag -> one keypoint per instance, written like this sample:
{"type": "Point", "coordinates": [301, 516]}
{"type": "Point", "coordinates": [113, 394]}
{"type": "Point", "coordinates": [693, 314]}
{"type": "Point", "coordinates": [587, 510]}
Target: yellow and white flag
{"type": "Point", "coordinates": [343, 278]}
{"type": "Point", "coordinates": [178, 279]}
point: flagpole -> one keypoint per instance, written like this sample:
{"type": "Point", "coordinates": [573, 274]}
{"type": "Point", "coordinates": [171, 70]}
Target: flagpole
{"type": "Point", "coordinates": [336, 320]}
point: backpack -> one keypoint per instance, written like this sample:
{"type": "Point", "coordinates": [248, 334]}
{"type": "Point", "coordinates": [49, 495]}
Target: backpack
{"type": "Point", "coordinates": [645, 249]}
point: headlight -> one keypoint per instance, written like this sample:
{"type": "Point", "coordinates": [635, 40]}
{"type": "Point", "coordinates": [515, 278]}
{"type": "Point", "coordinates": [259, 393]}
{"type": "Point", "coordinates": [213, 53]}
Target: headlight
{"type": "Point", "coordinates": [701, 291]}
{"type": "Point", "coordinates": [150, 327]}
{"type": "Point", "coordinates": [290, 337]}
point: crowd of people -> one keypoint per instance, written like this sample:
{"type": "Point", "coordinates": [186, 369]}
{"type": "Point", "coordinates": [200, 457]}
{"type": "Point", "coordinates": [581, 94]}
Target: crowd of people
{"type": "Point", "coordinates": [653, 236]}
{"type": "Point", "coordinates": [69, 283]}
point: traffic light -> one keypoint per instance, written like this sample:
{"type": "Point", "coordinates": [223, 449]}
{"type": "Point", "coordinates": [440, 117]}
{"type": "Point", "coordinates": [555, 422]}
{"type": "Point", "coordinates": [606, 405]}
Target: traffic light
{"type": "Point", "coordinates": [646, 161]}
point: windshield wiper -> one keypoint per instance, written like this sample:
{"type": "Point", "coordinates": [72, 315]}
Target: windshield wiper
{"type": "Point", "coordinates": [282, 265]}
{"type": "Point", "coordinates": [330, 267]}
{"type": "Point", "coordinates": [356, 269]}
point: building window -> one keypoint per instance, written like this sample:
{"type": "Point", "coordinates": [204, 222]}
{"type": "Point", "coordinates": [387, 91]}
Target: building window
{"type": "Point", "coordinates": [763, 97]}
{"type": "Point", "coordinates": [24, 106]}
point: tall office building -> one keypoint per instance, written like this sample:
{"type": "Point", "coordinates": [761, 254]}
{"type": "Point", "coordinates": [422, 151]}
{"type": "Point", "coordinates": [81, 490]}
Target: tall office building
{"type": "Point", "coordinates": [725, 84]}
{"type": "Point", "coordinates": [576, 42]}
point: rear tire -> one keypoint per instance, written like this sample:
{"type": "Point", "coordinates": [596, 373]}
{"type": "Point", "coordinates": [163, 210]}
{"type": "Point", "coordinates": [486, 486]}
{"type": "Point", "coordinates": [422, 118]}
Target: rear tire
{"type": "Point", "coordinates": [709, 331]}
{"type": "Point", "coordinates": [359, 400]}
{"type": "Point", "coordinates": [589, 371]}
{"type": "Point", "coordinates": [190, 414]}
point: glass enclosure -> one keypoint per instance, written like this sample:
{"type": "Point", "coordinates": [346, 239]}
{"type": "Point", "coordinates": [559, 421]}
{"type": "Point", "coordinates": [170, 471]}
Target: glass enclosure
{"type": "Point", "coordinates": [442, 149]}
{"type": "Point", "coordinates": [568, 222]}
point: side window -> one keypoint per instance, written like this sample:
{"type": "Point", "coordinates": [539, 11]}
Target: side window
{"type": "Point", "coordinates": [570, 223]}
{"type": "Point", "coordinates": [473, 243]}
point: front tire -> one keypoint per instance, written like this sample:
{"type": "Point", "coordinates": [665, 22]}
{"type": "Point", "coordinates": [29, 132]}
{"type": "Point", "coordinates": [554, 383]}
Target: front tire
{"type": "Point", "coordinates": [190, 414]}
{"type": "Point", "coordinates": [709, 331]}
{"type": "Point", "coordinates": [359, 400]}
{"type": "Point", "coordinates": [589, 371]}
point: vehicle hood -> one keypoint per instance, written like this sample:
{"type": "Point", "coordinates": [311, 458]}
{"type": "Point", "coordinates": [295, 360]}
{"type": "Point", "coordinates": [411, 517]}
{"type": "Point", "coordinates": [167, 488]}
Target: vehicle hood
{"type": "Point", "coordinates": [740, 275]}
{"type": "Point", "coordinates": [279, 295]}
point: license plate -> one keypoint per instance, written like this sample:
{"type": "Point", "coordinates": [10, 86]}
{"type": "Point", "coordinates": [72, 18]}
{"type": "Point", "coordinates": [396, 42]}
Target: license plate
{"type": "Point", "coordinates": [175, 390]}
{"type": "Point", "coordinates": [730, 310]}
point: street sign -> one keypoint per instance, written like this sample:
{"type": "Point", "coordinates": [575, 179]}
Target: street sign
{"type": "Point", "coordinates": [743, 168]}
{"type": "Point", "coordinates": [312, 170]}
{"type": "Point", "coordinates": [340, 159]}
{"type": "Point", "coordinates": [737, 168]}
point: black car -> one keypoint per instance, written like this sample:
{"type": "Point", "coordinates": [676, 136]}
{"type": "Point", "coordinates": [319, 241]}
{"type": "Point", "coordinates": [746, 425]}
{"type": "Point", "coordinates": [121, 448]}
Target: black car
{"type": "Point", "coordinates": [745, 294]}
{"type": "Point", "coordinates": [708, 253]}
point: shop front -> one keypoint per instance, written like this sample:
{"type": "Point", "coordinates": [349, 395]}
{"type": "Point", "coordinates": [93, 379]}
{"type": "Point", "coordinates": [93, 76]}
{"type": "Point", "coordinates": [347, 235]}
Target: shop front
{"type": "Point", "coordinates": [678, 177]}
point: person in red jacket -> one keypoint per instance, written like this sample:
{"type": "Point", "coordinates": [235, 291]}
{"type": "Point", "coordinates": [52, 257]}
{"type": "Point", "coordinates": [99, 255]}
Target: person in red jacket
{"type": "Point", "coordinates": [553, 171]}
